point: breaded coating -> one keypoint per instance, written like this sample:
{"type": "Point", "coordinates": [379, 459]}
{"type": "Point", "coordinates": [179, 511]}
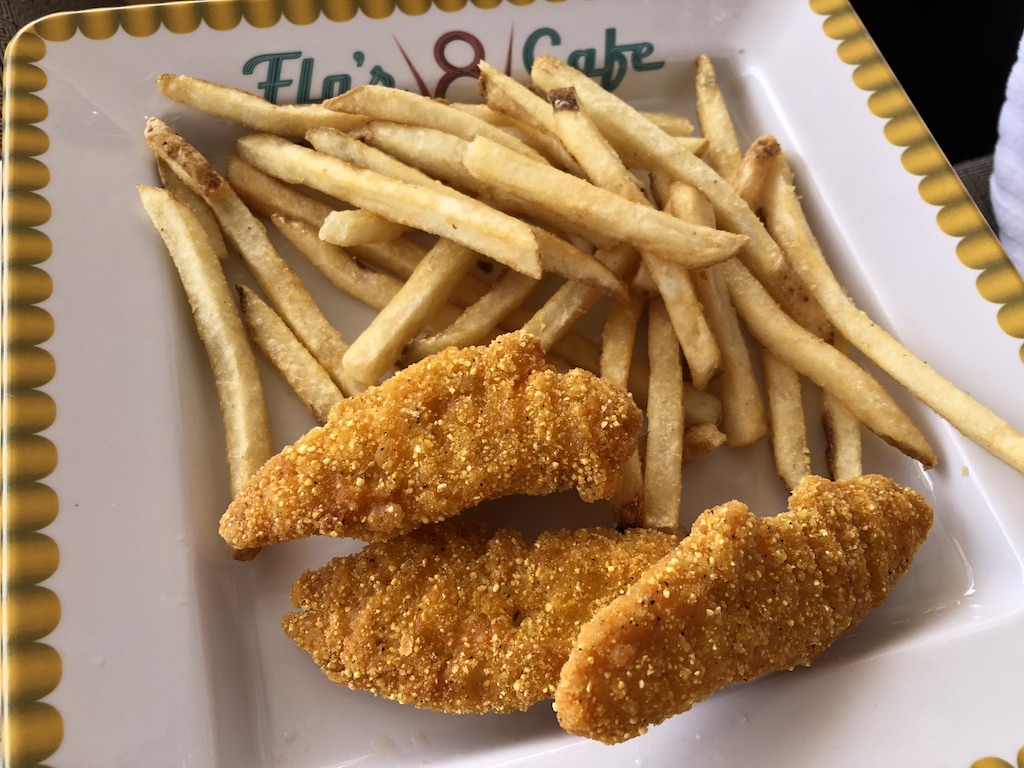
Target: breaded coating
{"type": "Point", "coordinates": [440, 436]}
{"type": "Point", "coordinates": [741, 596]}
{"type": "Point", "coordinates": [453, 619]}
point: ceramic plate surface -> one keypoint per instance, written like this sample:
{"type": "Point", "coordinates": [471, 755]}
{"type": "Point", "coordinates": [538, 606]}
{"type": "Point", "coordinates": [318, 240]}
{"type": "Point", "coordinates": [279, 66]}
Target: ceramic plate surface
{"type": "Point", "coordinates": [131, 638]}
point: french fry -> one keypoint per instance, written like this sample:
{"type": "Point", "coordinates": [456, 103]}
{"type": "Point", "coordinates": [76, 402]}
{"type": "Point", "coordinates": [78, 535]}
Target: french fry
{"type": "Point", "coordinates": [382, 103]}
{"type": "Point", "coordinates": [671, 280]}
{"type": "Point", "coordinates": [400, 258]}
{"type": "Point", "coordinates": [439, 155]}
{"type": "Point", "coordinates": [592, 151]}
{"type": "Point", "coordinates": [787, 427]}
{"type": "Point", "coordinates": [823, 364]}
{"type": "Point", "coordinates": [373, 288]}
{"type": "Point", "coordinates": [235, 374]}
{"type": "Point", "coordinates": [348, 274]}
{"type": "Point", "coordinates": [265, 195]}
{"type": "Point", "coordinates": [573, 300]}
{"type": "Point", "coordinates": [618, 339]}
{"type": "Point", "coordinates": [843, 450]}
{"type": "Point", "coordinates": [663, 458]}
{"type": "Point", "coordinates": [715, 121]}
{"type": "Point", "coordinates": [307, 378]}
{"type": "Point", "coordinates": [617, 342]}
{"type": "Point", "coordinates": [248, 237]}
{"type": "Point", "coordinates": [565, 196]}
{"type": "Point", "coordinates": [509, 97]}
{"type": "Point", "coordinates": [177, 187]}
{"type": "Point", "coordinates": [699, 440]}
{"type": "Point", "coordinates": [673, 125]}
{"type": "Point", "coordinates": [358, 227]}
{"type": "Point", "coordinates": [470, 223]}
{"type": "Point", "coordinates": [480, 320]}
{"type": "Point", "coordinates": [376, 350]}
{"type": "Point", "coordinates": [643, 145]}
{"type": "Point", "coordinates": [347, 147]}
{"type": "Point", "coordinates": [974, 420]}
{"type": "Point", "coordinates": [541, 141]}
{"type": "Point", "coordinates": [744, 420]}
{"type": "Point", "coordinates": [754, 169]}
{"type": "Point", "coordinates": [250, 110]}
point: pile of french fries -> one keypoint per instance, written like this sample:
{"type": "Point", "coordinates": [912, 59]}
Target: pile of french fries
{"type": "Point", "coordinates": [576, 205]}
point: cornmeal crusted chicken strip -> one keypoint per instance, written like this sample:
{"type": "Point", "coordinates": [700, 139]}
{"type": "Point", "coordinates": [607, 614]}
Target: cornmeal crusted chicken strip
{"type": "Point", "coordinates": [453, 619]}
{"type": "Point", "coordinates": [442, 435]}
{"type": "Point", "coordinates": [739, 597]}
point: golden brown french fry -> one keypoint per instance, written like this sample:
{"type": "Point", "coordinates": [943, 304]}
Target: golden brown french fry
{"type": "Point", "coordinates": [400, 257]}
{"type": "Point", "coordinates": [249, 238]}
{"type": "Point", "coordinates": [307, 378]}
{"type": "Point", "coordinates": [744, 420]}
{"type": "Point", "coordinates": [715, 121]}
{"type": "Point", "coordinates": [823, 364]}
{"type": "Point", "coordinates": [177, 187]}
{"type": "Point", "coordinates": [663, 458]}
{"type": "Point", "coordinates": [382, 103]}
{"type": "Point", "coordinates": [699, 440]}
{"type": "Point", "coordinates": [843, 449]}
{"type": "Point", "coordinates": [973, 419]}
{"type": "Point", "coordinates": [434, 155]}
{"type": "Point", "coordinates": [358, 227]}
{"type": "Point", "coordinates": [235, 374]}
{"type": "Point", "coordinates": [376, 350]}
{"type": "Point", "coordinates": [564, 196]}
{"type": "Point", "coordinates": [783, 388]}
{"type": "Point", "coordinates": [673, 125]}
{"type": "Point", "coordinates": [743, 411]}
{"type": "Point", "coordinates": [671, 280]}
{"type": "Point", "coordinates": [439, 155]}
{"type": "Point", "coordinates": [592, 151]}
{"type": "Point", "coordinates": [509, 97]}
{"type": "Point", "coordinates": [350, 275]}
{"type": "Point", "coordinates": [528, 133]}
{"type": "Point", "coordinates": [354, 151]}
{"type": "Point", "coordinates": [265, 195]}
{"type": "Point", "coordinates": [458, 218]}
{"type": "Point", "coordinates": [562, 258]}
{"type": "Point", "coordinates": [787, 426]}
{"type": "Point", "coordinates": [754, 169]}
{"type": "Point", "coordinates": [617, 342]}
{"type": "Point", "coordinates": [573, 300]}
{"type": "Point", "coordinates": [480, 321]}
{"type": "Point", "coordinates": [250, 110]}
{"type": "Point", "coordinates": [643, 145]}
{"type": "Point", "coordinates": [373, 288]}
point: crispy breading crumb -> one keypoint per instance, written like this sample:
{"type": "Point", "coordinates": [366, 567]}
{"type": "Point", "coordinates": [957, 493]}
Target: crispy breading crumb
{"type": "Point", "coordinates": [440, 436]}
{"type": "Point", "coordinates": [453, 619]}
{"type": "Point", "coordinates": [741, 596]}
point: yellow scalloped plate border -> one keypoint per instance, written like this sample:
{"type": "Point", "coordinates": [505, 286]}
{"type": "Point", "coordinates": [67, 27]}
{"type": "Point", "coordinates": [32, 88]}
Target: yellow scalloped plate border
{"type": "Point", "coordinates": [31, 729]}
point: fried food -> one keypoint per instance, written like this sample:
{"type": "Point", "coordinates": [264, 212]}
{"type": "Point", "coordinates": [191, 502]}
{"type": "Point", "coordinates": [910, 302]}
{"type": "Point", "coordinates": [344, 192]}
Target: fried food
{"type": "Point", "coordinates": [741, 596]}
{"type": "Point", "coordinates": [453, 619]}
{"type": "Point", "coordinates": [440, 436]}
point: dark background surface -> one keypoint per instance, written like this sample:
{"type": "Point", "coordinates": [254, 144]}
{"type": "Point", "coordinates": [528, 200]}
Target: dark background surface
{"type": "Point", "coordinates": [952, 63]}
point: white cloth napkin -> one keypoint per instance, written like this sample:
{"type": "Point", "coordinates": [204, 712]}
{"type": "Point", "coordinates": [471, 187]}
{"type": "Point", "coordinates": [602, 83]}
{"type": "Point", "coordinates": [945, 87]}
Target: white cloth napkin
{"type": "Point", "coordinates": [1007, 183]}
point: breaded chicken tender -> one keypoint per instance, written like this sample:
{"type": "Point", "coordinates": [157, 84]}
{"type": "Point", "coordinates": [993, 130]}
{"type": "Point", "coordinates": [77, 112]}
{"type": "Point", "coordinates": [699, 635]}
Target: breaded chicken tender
{"type": "Point", "coordinates": [741, 596]}
{"type": "Point", "coordinates": [440, 436]}
{"type": "Point", "coordinates": [453, 619]}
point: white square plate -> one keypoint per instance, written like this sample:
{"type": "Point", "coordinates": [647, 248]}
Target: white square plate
{"type": "Point", "coordinates": [147, 645]}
